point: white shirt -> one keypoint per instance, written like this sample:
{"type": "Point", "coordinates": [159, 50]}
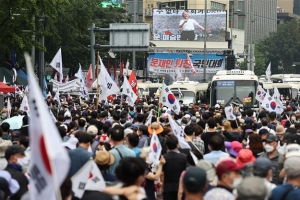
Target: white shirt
{"type": "Point", "coordinates": [189, 25]}
{"type": "Point", "coordinates": [269, 129]}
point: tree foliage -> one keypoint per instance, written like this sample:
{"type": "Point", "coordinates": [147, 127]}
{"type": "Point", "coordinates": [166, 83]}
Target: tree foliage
{"type": "Point", "coordinates": [67, 23]}
{"type": "Point", "coordinates": [281, 48]}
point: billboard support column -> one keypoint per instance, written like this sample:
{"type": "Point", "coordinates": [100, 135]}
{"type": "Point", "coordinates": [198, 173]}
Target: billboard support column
{"type": "Point", "coordinates": [204, 56]}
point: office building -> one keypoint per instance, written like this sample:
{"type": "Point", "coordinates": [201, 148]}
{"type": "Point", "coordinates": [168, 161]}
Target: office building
{"type": "Point", "coordinates": [257, 17]}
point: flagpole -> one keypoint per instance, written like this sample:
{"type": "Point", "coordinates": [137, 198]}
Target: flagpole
{"type": "Point", "coordinates": [160, 98]}
{"type": "Point", "coordinates": [98, 87]}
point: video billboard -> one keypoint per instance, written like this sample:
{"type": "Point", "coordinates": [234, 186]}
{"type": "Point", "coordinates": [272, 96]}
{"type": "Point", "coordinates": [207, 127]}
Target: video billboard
{"type": "Point", "coordinates": [188, 25]}
{"type": "Point", "coordinates": [168, 63]}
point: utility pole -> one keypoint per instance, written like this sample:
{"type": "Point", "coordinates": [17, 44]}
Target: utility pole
{"type": "Point", "coordinates": [204, 55]}
{"type": "Point", "coordinates": [92, 48]}
{"type": "Point", "coordinates": [41, 53]}
{"type": "Point", "coordinates": [33, 47]}
{"type": "Point", "coordinates": [135, 5]}
{"type": "Point", "coordinates": [251, 37]}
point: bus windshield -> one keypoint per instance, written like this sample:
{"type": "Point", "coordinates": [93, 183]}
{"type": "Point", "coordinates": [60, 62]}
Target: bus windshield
{"type": "Point", "coordinates": [230, 90]}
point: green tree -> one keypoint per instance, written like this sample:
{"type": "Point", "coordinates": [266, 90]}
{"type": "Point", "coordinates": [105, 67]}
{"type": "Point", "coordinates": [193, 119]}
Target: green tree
{"type": "Point", "coordinates": [280, 48]}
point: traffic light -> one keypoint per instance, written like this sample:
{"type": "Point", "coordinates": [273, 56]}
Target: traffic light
{"type": "Point", "coordinates": [230, 62]}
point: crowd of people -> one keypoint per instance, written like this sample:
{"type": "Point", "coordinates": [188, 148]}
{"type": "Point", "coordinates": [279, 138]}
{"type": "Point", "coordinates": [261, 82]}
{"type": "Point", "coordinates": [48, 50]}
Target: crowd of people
{"type": "Point", "coordinates": [256, 156]}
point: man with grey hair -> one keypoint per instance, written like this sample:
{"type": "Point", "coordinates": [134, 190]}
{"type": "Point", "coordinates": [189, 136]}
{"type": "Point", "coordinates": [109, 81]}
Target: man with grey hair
{"type": "Point", "coordinates": [290, 190]}
{"type": "Point", "coordinates": [252, 188]}
{"type": "Point", "coordinates": [187, 27]}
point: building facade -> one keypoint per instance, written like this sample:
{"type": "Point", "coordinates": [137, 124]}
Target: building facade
{"type": "Point", "coordinates": [257, 17]}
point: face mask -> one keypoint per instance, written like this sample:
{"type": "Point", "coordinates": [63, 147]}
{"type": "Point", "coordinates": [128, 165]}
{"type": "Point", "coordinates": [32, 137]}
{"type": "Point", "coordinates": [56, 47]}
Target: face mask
{"type": "Point", "coordinates": [293, 118]}
{"type": "Point", "coordinates": [236, 182]}
{"type": "Point", "coordinates": [269, 148]}
{"type": "Point", "coordinates": [23, 161]}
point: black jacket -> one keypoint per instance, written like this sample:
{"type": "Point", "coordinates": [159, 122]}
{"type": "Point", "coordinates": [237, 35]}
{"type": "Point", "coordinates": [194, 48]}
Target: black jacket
{"type": "Point", "coordinates": [21, 179]}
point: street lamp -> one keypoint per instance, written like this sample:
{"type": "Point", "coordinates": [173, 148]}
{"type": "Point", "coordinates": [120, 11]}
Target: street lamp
{"type": "Point", "coordinates": [232, 22]}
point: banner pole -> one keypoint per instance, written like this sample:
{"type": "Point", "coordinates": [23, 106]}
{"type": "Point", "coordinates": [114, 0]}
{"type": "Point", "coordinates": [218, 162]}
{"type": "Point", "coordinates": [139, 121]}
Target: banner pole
{"type": "Point", "coordinates": [98, 87]}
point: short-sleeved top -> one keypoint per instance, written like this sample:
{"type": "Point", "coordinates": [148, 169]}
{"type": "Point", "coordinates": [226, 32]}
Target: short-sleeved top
{"type": "Point", "coordinates": [124, 151]}
{"type": "Point", "coordinates": [189, 25]}
{"type": "Point", "coordinates": [279, 191]}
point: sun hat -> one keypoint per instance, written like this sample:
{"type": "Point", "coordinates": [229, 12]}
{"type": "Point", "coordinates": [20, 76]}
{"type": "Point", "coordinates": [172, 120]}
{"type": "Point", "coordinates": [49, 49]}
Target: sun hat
{"type": "Point", "coordinates": [233, 148]}
{"type": "Point", "coordinates": [155, 126]}
{"type": "Point", "coordinates": [71, 143]}
{"type": "Point", "coordinates": [245, 156]}
{"type": "Point", "coordinates": [104, 158]}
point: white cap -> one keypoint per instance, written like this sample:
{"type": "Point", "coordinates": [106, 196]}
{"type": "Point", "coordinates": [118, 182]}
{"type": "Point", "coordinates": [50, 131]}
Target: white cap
{"type": "Point", "coordinates": [187, 116]}
{"type": "Point", "coordinates": [67, 114]}
{"type": "Point", "coordinates": [92, 130]}
{"type": "Point", "coordinates": [217, 105]}
{"type": "Point", "coordinates": [127, 131]}
{"type": "Point", "coordinates": [71, 143]}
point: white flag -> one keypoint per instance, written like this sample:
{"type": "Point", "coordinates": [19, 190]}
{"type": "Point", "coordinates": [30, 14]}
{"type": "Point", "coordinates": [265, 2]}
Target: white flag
{"type": "Point", "coordinates": [229, 113]}
{"type": "Point", "coordinates": [127, 64]}
{"type": "Point", "coordinates": [168, 99]}
{"type": "Point", "coordinates": [178, 74]}
{"type": "Point", "coordinates": [96, 181]}
{"type": "Point", "coordinates": [149, 118]}
{"type": "Point", "coordinates": [107, 84]}
{"type": "Point", "coordinates": [270, 104]}
{"type": "Point", "coordinates": [50, 162]}
{"type": "Point", "coordinates": [8, 108]}
{"type": "Point", "coordinates": [56, 97]}
{"type": "Point", "coordinates": [268, 73]}
{"type": "Point", "coordinates": [56, 63]}
{"type": "Point", "coordinates": [276, 96]}
{"type": "Point", "coordinates": [80, 74]}
{"type": "Point", "coordinates": [260, 94]}
{"type": "Point", "coordinates": [180, 93]}
{"type": "Point", "coordinates": [155, 149]}
{"type": "Point", "coordinates": [25, 106]}
{"type": "Point", "coordinates": [178, 132]}
{"type": "Point", "coordinates": [195, 159]}
{"type": "Point", "coordinates": [128, 91]}
{"type": "Point", "coordinates": [79, 180]}
{"type": "Point", "coordinates": [4, 80]}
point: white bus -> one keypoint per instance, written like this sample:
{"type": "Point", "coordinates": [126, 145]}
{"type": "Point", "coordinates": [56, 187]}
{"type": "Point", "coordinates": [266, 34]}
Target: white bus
{"type": "Point", "coordinates": [191, 91]}
{"type": "Point", "coordinates": [233, 85]}
{"type": "Point", "coordinates": [285, 78]}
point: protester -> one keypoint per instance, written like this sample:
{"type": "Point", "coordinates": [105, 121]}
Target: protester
{"type": "Point", "coordinates": [252, 188]}
{"type": "Point", "coordinates": [215, 145]}
{"type": "Point", "coordinates": [194, 183]}
{"type": "Point", "coordinates": [176, 163]}
{"type": "Point", "coordinates": [262, 167]}
{"type": "Point", "coordinates": [229, 177]}
{"type": "Point", "coordinates": [80, 155]}
{"type": "Point", "coordinates": [119, 151]}
{"type": "Point", "coordinates": [13, 154]}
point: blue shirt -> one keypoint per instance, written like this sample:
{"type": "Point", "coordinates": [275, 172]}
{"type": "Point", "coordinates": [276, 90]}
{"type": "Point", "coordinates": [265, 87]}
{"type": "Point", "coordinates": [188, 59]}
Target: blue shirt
{"type": "Point", "coordinates": [136, 151]}
{"type": "Point", "coordinates": [278, 192]}
{"type": "Point", "coordinates": [142, 141]}
{"type": "Point", "coordinates": [124, 151]}
{"type": "Point", "coordinates": [78, 157]}
{"type": "Point", "coordinates": [214, 156]}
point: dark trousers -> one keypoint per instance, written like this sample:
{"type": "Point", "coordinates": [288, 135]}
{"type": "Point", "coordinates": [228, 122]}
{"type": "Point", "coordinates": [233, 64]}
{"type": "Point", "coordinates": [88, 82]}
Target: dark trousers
{"type": "Point", "coordinates": [187, 36]}
{"type": "Point", "coordinates": [170, 195]}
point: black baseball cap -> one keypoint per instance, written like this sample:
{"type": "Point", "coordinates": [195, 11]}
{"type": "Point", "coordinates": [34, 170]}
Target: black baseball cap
{"type": "Point", "coordinates": [13, 150]}
{"type": "Point", "coordinates": [194, 179]}
{"type": "Point", "coordinates": [271, 138]}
